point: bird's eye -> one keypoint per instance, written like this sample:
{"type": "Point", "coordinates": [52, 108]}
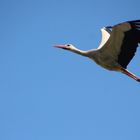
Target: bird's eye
{"type": "Point", "coordinates": [68, 45]}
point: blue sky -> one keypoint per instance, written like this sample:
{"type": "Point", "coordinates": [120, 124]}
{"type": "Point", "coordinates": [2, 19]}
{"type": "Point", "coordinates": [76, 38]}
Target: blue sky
{"type": "Point", "coordinates": [52, 94]}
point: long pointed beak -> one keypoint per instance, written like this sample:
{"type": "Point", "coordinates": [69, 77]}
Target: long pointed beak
{"type": "Point", "coordinates": [62, 47]}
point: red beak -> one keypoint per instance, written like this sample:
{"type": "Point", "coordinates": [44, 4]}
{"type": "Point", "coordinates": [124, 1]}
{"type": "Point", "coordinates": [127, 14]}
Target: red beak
{"type": "Point", "coordinates": [61, 46]}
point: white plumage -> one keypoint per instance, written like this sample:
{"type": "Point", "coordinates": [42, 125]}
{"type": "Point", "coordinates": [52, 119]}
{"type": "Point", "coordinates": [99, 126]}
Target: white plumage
{"type": "Point", "coordinates": [105, 37]}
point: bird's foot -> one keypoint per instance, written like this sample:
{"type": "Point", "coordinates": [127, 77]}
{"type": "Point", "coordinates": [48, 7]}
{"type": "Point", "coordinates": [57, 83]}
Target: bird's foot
{"type": "Point", "coordinates": [138, 79]}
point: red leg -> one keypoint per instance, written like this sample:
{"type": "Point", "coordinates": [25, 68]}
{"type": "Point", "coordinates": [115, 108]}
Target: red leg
{"type": "Point", "coordinates": [130, 74]}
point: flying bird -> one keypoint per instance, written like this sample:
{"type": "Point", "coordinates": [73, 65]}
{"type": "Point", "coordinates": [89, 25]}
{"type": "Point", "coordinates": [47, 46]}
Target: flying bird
{"type": "Point", "coordinates": [117, 47]}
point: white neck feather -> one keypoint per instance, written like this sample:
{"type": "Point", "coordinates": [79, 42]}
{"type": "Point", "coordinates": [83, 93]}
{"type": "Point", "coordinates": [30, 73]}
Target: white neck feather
{"type": "Point", "coordinates": [90, 53]}
{"type": "Point", "coordinates": [78, 51]}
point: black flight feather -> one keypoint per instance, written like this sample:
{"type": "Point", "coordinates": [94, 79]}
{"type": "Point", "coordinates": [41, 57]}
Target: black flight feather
{"type": "Point", "coordinates": [130, 43]}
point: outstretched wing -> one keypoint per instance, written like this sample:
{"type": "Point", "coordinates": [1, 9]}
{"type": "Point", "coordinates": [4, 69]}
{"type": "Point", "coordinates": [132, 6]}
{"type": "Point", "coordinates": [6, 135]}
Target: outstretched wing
{"type": "Point", "coordinates": [123, 42]}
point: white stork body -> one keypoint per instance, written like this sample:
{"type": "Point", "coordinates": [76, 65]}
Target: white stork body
{"type": "Point", "coordinates": [117, 47]}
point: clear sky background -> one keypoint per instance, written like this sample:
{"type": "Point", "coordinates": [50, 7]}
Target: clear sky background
{"type": "Point", "coordinates": [52, 94]}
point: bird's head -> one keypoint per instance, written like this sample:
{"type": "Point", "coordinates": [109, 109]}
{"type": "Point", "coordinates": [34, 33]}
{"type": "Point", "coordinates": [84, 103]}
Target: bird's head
{"type": "Point", "coordinates": [69, 47]}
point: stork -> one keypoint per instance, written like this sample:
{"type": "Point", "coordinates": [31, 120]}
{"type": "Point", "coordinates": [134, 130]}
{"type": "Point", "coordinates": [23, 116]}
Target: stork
{"type": "Point", "coordinates": [117, 47]}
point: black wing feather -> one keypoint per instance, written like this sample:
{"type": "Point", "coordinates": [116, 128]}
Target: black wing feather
{"type": "Point", "coordinates": [130, 43]}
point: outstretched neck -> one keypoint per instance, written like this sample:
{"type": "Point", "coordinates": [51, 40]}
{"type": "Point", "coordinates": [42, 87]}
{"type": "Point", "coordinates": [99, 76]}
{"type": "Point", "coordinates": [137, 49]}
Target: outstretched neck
{"type": "Point", "coordinates": [78, 51]}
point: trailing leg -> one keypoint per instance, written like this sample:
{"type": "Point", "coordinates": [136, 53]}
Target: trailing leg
{"type": "Point", "coordinates": [128, 73]}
